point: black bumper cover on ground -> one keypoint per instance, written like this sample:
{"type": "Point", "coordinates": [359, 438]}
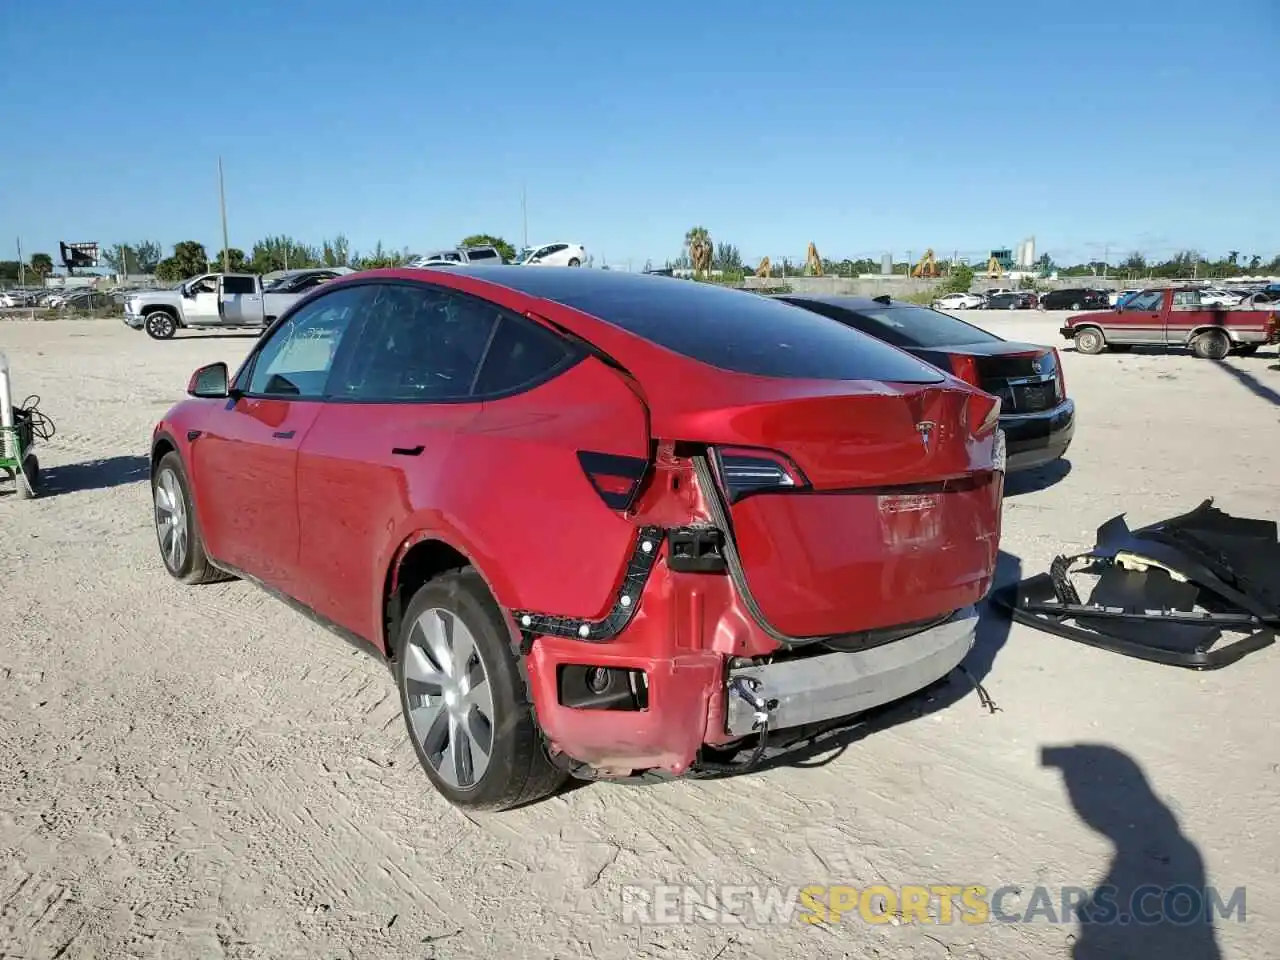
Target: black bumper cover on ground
{"type": "Point", "coordinates": [1200, 590]}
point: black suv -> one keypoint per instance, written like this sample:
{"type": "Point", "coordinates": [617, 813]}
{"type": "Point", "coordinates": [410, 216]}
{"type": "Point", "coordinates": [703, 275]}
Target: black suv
{"type": "Point", "coordinates": [1077, 298]}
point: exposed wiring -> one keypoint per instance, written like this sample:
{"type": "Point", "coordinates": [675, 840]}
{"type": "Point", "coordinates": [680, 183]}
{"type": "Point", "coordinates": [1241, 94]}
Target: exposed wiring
{"type": "Point", "coordinates": [42, 426]}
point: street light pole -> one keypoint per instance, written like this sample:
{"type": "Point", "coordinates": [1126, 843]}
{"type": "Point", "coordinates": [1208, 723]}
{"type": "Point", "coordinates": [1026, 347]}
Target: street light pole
{"type": "Point", "coordinates": [222, 203]}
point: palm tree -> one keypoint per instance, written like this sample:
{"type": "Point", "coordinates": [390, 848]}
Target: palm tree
{"type": "Point", "coordinates": [698, 240]}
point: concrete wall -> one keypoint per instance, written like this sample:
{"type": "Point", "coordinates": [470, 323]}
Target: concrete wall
{"type": "Point", "coordinates": [900, 286]}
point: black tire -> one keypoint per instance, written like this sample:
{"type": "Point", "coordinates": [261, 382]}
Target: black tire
{"type": "Point", "coordinates": [1211, 345]}
{"type": "Point", "coordinates": [1075, 306]}
{"type": "Point", "coordinates": [1090, 341]}
{"type": "Point", "coordinates": [193, 566]}
{"type": "Point", "coordinates": [518, 771]}
{"type": "Point", "coordinates": [26, 482]}
{"type": "Point", "coordinates": [160, 324]}
{"type": "Point", "coordinates": [1013, 306]}
{"type": "Point", "coordinates": [575, 262]}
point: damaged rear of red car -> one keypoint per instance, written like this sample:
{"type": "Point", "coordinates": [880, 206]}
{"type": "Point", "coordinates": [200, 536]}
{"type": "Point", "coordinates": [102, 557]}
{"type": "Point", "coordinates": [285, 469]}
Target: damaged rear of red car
{"type": "Point", "coordinates": [797, 525]}
{"type": "Point", "coordinates": [602, 525]}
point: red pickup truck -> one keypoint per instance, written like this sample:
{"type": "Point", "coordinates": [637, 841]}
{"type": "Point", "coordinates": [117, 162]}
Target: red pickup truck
{"type": "Point", "coordinates": [1174, 316]}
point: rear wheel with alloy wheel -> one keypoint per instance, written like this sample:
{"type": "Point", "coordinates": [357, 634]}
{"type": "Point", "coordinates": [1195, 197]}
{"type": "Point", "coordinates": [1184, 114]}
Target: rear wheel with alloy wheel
{"type": "Point", "coordinates": [464, 702]}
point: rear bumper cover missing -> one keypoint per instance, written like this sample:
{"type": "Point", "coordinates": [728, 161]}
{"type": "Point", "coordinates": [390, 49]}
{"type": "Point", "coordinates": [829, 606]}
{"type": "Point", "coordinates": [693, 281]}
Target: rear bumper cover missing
{"type": "Point", "coordinates": [829, 686]}
{"type": "Point", "coordinates": [1200, 590]}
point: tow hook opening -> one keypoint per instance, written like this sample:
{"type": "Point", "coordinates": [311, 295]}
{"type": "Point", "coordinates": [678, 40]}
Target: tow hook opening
{"type": "Point", "coordinates": [587, 687]}
{"type": "Point", "coordinates": [696, 550]}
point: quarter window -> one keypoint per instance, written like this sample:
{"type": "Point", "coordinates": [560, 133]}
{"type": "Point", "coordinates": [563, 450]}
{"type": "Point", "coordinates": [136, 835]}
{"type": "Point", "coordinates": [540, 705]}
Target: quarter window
{"type": "Point", "coordinates": [297, 359]}
{"type": "Point", "coordinates": [520, 355]}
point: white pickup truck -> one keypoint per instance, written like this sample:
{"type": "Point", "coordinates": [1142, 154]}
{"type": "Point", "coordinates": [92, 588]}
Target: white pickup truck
{"type": "Point", "coordinates": [222, 301]}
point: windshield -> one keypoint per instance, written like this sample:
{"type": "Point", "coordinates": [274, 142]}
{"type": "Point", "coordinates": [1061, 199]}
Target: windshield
{"type": "Point", "coordinates": [906, 326]}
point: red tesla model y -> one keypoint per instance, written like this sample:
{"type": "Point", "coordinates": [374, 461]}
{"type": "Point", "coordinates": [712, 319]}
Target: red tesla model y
{"type": "Point", "coordinates": [600, 524]}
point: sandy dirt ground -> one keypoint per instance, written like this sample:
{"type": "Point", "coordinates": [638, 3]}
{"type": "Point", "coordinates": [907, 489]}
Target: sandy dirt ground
{"type": "Point", "coordinates": [201, 772]}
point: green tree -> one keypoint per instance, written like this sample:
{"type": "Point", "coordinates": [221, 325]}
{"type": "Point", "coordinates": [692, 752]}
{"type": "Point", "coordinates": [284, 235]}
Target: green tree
{"type": "Point", "coordinates": [727, 258]}
{"type": "Point", "coordinates": [959, 281]}
{"type": "Point", "coordinates": [489, 240]}
{"type": "Point", "coordinates": [380, 258]}
{"type": "Point", "coordinates": [189, 260]}
{"type": "Point", "coordinates": [237, 262]}
{"type": "Point", "coordinates": [42, 264]}
{"type": "Point", "coordinates": [336, 252]}
{"type": "Point", "coordinates": [282, 253]}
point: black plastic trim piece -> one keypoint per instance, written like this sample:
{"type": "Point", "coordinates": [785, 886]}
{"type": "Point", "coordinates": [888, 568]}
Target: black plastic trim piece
{"type": "Point", "coordinates": [696, 550]}
{"type": "Point", "coordinates": [643, 557]}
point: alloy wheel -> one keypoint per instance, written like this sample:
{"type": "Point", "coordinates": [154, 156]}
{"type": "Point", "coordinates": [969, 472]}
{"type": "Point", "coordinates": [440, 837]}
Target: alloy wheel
{"type": "Point", "coordinates": [450, 698]}
{"type": "Point", "coordinates": [171, 520]}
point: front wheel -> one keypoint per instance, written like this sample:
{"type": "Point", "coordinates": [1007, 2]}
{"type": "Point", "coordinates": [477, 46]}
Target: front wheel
{"type": "Point", "coordinates": [1211, 345]}
{"type": "Point", "coordinates": [160, 325]}
{"type": "Point", "coordinates": [181, 546]}
{"type": "Point", "coordinates": [1090, 341]}
{"type": "Point", "coordinates": [464, 703]}
{"type": "Point", "coordinates": [575, 262]}
{"type": "Point", "coordinates": [1075, 306]}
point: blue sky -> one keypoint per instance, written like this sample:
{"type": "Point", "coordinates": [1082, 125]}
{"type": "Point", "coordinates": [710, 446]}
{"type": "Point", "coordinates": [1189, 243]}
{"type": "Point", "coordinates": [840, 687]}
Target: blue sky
{"type": "Point", "coordinates": [862, 127]}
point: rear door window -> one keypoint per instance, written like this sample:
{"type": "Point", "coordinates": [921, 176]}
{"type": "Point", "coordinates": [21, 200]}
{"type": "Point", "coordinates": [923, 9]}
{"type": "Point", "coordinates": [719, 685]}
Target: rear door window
{"type": "Point", "coordinates": [419, 344]}
{"type": "Point", "coordinates": [239, 285]}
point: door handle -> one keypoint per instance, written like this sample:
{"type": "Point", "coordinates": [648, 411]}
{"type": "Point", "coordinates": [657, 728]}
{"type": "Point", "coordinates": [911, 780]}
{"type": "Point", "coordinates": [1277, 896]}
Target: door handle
{"type": "Point", "coordinates": [408, 451]}
{"type": "Point", "coordinates": [283, 434]}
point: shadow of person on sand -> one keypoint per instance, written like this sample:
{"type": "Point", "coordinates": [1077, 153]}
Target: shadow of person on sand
{"type": "Point", "coordinates": [92, 475]}
{"type": "Point", "coordinates": [1153, 901]}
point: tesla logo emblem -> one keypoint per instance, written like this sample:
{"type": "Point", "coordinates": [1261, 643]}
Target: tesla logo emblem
{"type": "Point", "coordinates": [925, 429]}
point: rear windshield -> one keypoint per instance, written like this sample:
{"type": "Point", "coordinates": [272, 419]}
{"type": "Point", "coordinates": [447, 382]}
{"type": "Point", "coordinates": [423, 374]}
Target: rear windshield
{"type": "Point", "coordinates": [908, 326]}
{"type": "Point", "coordinates": [734, 330]}
{"type": "Point", "coordinates": [482, 254]}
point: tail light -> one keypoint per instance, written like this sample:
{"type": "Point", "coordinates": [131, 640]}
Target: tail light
{"type": "Point", "coordinates": [614, 477]}
{"type": "Point", "coordinates": [984, 413]}
{"type": "Point", "coordinates": [744, 470]}
{"type": "Point", "coordinates": [1058, 373]}
{"type": "Point", "coordinates": [965, 367]}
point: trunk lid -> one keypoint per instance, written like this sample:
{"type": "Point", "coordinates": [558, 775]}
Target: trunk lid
{"type": "Point", "coordinates": [894, 515]}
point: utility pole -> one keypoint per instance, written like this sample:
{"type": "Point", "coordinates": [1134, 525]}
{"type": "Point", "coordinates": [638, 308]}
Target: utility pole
{"type": "Point", "coordinates": [222, 202]}
{"type": "Point", "coordinates": [524, 216]}
{"type": "Point", "coordinates": [22, 270]}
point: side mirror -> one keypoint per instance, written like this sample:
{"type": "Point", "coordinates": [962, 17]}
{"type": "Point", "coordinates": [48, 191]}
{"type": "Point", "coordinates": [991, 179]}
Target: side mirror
{"type": "Point", "coordinates": [210, 382]}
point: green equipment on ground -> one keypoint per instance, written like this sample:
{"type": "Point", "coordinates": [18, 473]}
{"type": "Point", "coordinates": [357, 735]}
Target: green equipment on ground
{"type": "Point", "coordinates": [20, 428]}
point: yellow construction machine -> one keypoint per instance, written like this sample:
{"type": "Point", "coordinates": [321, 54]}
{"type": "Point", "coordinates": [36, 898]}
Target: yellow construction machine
{"type": "Point", "coordinates": [927, 267]}
{"type": "Point", "coordinates": [994, 270]}
{"type": "Point", "coordinates": [765, 268]}
{"type": "Point", "coordinates": [812, 262]}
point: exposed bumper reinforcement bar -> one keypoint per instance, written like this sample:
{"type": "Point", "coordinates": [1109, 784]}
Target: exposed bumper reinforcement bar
{"type": "Point", "coordinates": [1168, 593]}
{"type": "Point", "coordinates": [828, 686]}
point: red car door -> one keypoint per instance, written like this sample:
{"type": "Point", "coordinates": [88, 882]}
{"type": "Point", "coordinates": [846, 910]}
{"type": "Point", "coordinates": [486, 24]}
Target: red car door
{"type": "Point", "coordinates": [245, 463]}
{"type": "Point", "coordinates": [383, 441]}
